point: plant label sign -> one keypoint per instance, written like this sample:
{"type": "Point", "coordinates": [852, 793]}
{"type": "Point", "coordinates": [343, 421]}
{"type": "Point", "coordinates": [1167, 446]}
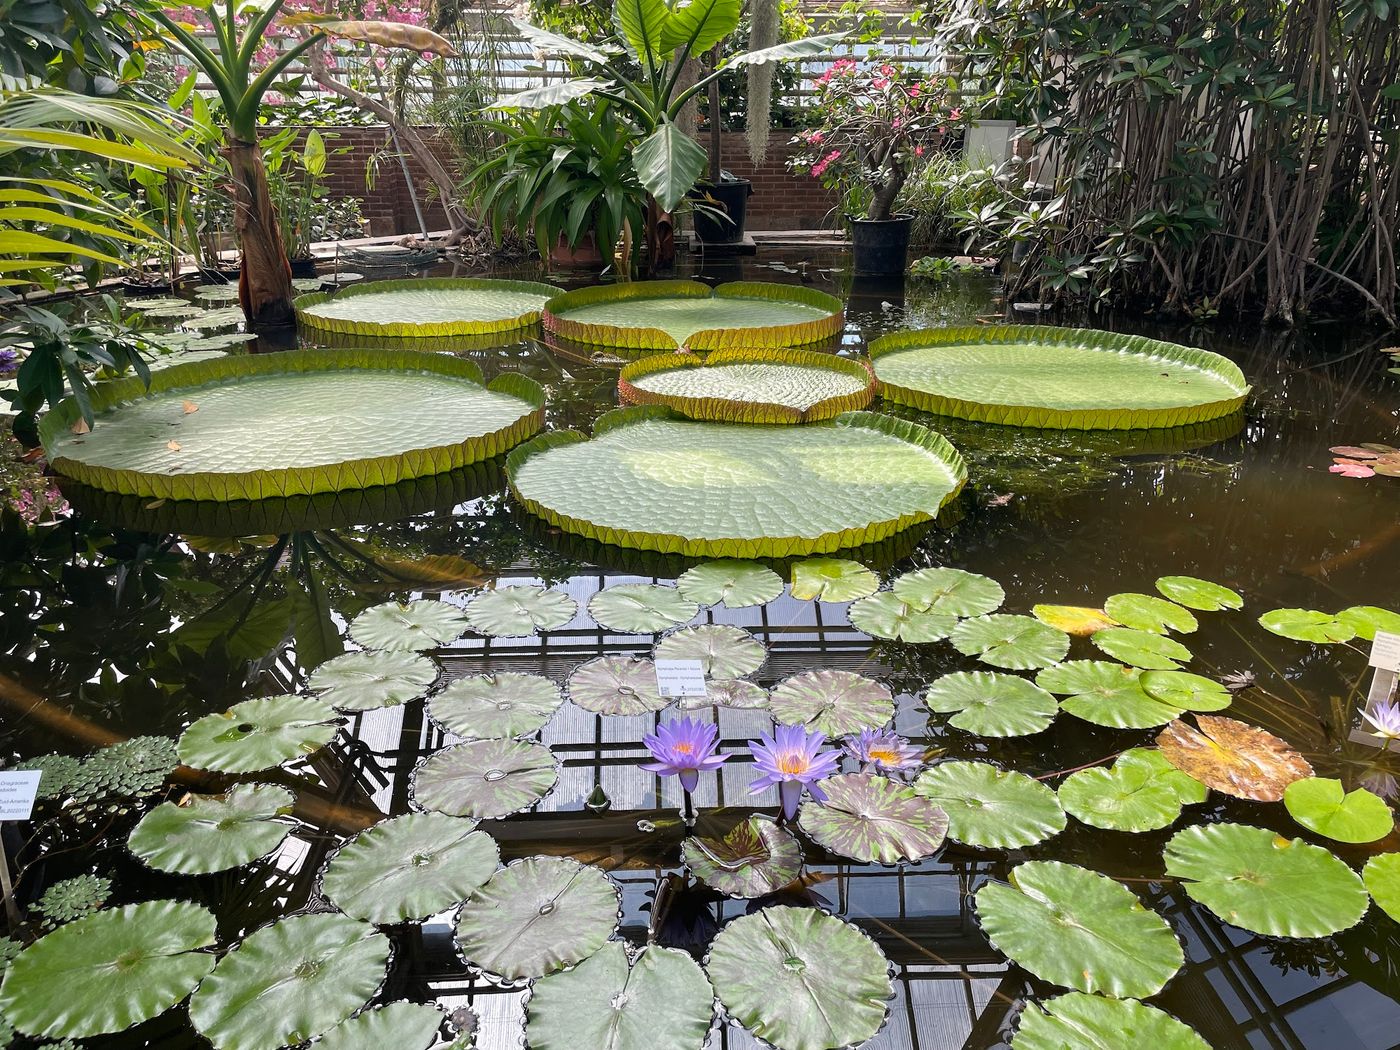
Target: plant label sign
{"type": "Point", "coordinates": [1385, 651]}
{"type": "Point", "coordinates": [18, 789]}
{"type": "Point", "coordinates": [680, 678]}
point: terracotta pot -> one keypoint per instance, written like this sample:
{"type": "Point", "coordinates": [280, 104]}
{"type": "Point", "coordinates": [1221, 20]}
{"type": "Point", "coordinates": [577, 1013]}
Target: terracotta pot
{"type": "Point", "coordinates": [583, 256]}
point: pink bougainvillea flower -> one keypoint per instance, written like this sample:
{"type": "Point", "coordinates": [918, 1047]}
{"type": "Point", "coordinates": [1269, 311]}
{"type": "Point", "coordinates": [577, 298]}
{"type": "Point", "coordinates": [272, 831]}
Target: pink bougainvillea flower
{"type": "Point", "coordinates": [918, 151]}
{"type": "Point", "coordinates": [955, 114]}
{"type": "Point", "coordinates": [1350, 468]}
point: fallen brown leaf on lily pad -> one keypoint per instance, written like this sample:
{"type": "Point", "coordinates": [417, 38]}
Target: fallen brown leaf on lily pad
{"type": "Point", "coordinates": [80, 426]}
{"type": "Point", "coordinates": [1353, 452]}
{"type": "Point", "coordinates": [190, 406]}
{"type": "Point", "coordinates": [1233, 757]}
{"type": "Point", "coordinates": [173, 446]}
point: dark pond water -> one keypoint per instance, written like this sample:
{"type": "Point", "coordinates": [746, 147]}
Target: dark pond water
{"type": "Point", "coordinates": [135, 619]}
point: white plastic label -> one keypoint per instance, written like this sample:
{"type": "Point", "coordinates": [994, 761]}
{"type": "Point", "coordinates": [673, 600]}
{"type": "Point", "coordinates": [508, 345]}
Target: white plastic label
{"type": "Point", "coordinates": [18, 789]}
{"type": "Point", "coordinates": [1385, 651]}
{"type": "Point", "coordinates": [680, 678]}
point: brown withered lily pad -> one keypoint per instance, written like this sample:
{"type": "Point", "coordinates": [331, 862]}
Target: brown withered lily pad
{"type": "Point", "coordinates": [1233, 757]}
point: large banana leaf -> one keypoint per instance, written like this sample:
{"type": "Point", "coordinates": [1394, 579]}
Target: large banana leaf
{"type": "Point", "coordinates": [425, 307]}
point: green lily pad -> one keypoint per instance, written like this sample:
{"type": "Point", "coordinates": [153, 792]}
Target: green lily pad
{"type": "Point", "coordinates": [1382, 878]}
{"type": "Point", "coordinates": [832, 580]}
{"type": "Point", "coordinates": [1366, 620]}
{"type": "Point", "coordinates": [872, 819]}
{"type": "Point", "coordinates": [289, 982]}
{"type": "Point", "coordinates": [1106, 694]}
{"type": "Point", "coordinates": [537, 915]}
{"type": "Point", "coordinates": [410, 867]}
{"type": "Point", "coordinates": [108, 971]}
{"type": "Point", "coordinates": [403, 1026]}
{"type": "Point", "coordinates": [226, 292]}
{"type": "Point", "coordinates": [800, 979]}
{"type": "Point", "coordinates": [1141, 648]}
{"type": "Point", "coordinates": [661, 1001]}
{"type": "Point", "coordinates": [1017, 643]}
{"type": "Point", "coordinates": [1199, 594]}
{"type": "Point", "coordinates": [990, 703]}
{"type": "Point", "coordinates": [734, 584]}
{"type": "Point", "coordinates": [1255, 879]}
{"type": "Point", "coordinates": [640, 608]}
{"type": "Point", "coordinates": [372, 679]}
{"type": "Point", "coordinates": [1077, 928]}
{"type": "Point", "coordinates": [422, 624]}
{"type": "Point", "coordinates": [1187, 691]}
{"type": "Point", "coordinates": [616, 685]}
{"type": "Point", "coordinates": [952, 591]}
{"type": "Point", "coordinates": [835, 702]}
{"type": "Point", "coordinates": [1078, 620]}
{"type": "Point", "coordinates": [1142, 791]}
{"type": "Point", "coordinates": [483, 706]}
{"type": "Point", "coordinates": [1307, 625]}
{"type": "Point", "coordinates": [511, 612]}
{"type": "Point", "coordinates": [1144, 612]}
{"type": "Point", "coordinates": [738, 693]}
{"type": "Point", "coordinates": [485, 778]}
{"type": "Point", "coordinates": [1076, 1021]}
{"type": "Point", "coordinates": [224, 317]}
{"type": "Point", "coordinates": [213, 833]}
{"type": "Point", "coordinates": [724, 651]}
{"type": "Point", "coordinates": [990, 807]}
{"type": "Point", "coordinates": [1323, 806]}
{"type": "Point", "coordinates": [885, 615]}
{"type": "Point", "coordinates": [756, 858]}
{"type": "Point", "coordinates": [258, 734]}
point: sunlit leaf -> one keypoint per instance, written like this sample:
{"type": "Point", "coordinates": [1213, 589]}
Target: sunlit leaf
{"type": "Point", "coordinates": [1199, 594]}
{"type": "Point", "coordinates": [372, 679]}
{"type": "Point", "coordinates": [991, 807]}
{"type": "Point", "coordinates": [485, 778]}
{"type": "Point", "coordinates": [640, 608]}
{"type": "Point", "coordinates": [422, 624]}
{"type": "Point", "coordinates": [1307, 625]}
{"type": "Point", "coordinates": [1018, 643]}
{"type": "Point", "coordinates": [1106, 694]}
{"type": "Point", "coordinates": [733, 584]}
{"type": "Point", "coordinates": [1141, 648]}
{"type": "Point", "coordinates": [258, 734]}
{"type": "Point", "coordinates": [1323, 806]}
{"type": "Point", "coordinates": [952, 591]}
{"type": "Point", "coordinates": [872, 819]}
{"type": "Point", "coordinates": [990, 703]}
{"type": "Point", "coordinates": [1078, 620]}
{"type": "Point", "coordinates": [833, 701]}
{"type": "Point", "coordinates": [1092, 1022]}
{"type": "Point", "coordinates": [1366, 620]}
{"type": "Point", "coordinates": [832, 580]}
{"type": "Point", "coordinates": [1142, 791]}
{"type": "Point", "coordinates": [886, 615]}
{"type": "Point", "coordinates": [213, 833]}
{"type": "Point", "coordinates": [1143, 612]}
{"type": "Point", "coordinates": [513, 612]}
{"type": "Point", "coordinates": [724, 651]}
{"type": "Point", "coordinates": [506, 704]}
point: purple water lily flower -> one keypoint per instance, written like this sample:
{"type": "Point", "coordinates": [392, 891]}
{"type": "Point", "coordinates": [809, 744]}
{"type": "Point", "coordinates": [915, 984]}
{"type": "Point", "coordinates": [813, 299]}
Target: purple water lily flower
{"type": "Point", "coordinates": [1385, 721]}
{"type": "Point", "coordinates": [682, 749]}
{"type": "Point", "coordinates": [792, 758]}
{"type": "Point", "coordinates": [884, 750]}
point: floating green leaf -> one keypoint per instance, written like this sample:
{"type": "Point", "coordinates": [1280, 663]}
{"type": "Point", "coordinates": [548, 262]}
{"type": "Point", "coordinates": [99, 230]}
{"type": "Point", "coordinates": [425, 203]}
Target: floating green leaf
{"type": "Point", "coordinates": [402, 1026]}
{"type": "Point", "coordinates": [422, 624]}
{"type": "Point", "coordinates": [372, 679]}
{"type": "Point", "coordinates": [213, 833]}
{"type": "Point", "coordinates": [885, 615]}
{"type": "Point", "coordinates": [616, 685]}
{"type": "Point", "coordinates": [74, 898]}
{"type": "Point", "coordinates": [1141, 648]}
{"type": "Point", "coordinates": [832, 580]}
{"type": "Point", "coordinates": [1366, 620]}
{"type": "Point", "coordinates": [872, 819]}
{"type": "Point", "coordinates": [756, 858]}
{"type": "Point", "coordinates": [991, 807]}
{"type": "Point", "coordinates": [952, 591]}
{"type": "Point", "coordinates": [1382, 879]}
{"type": "Point", "coordinates": [1199, 594]}
{"type": "Point", "coordinates": [511, 612]}
{"type": "Point", "coordinates": [1090, 1022]}
{"type": "Point", "coordinates": [1106, 694]}
{"type": "Point", "coordinates": [1322, 805]}
{"type": "Point", "coordinates": [420, 307]}
{"type": "Point", "coordinates": [1078, 620]}
{"type": "Point", "coordinates": [1143, 612]}
{"type": "Point", "coordinates": [833, 701]}
{"type": "Point", "coordinates": [724, 651]}
{"type": "Point", "coordinates": [1187, 691]}
{"type": "Point", "coordinates": [728, 692]}
{"type": "Point", "coordinates": [483, 706]}
{"type": "Point", "coordinates": [1307, 625]}
{"type": "Point", "coordinates": [485, 778]}
{"type": "Point", "coordinates": [225, 317]}
{"type": "Point", "coordinates": [640, 608]}
{"type": "Point", "coordinates": [989, 703]}
{"type": "Point", "coordinates": [1141, 792]}
{"type": "Point", "coordinates": [258, 734]}
{"type": "Point", "coordinates": [734, 584]}
{"type": "Point", "coordinates": [1018, 643]}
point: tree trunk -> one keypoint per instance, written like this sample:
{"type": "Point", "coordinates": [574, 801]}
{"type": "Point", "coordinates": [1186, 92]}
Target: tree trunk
{"type": "Point", "coordinates": [265, 275]}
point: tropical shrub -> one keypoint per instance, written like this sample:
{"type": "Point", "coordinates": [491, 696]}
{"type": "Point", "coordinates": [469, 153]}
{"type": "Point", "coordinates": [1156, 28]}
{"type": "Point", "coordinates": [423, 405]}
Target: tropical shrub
{"type": "Point", "coordinates": [944, 192]}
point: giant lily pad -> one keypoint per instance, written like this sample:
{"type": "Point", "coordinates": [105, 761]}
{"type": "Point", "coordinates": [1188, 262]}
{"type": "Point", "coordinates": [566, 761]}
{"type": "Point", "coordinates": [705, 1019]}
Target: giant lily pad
{"type": "Point", "coordinates": [724, 651]}
{"type": "Point", "coordinates": [403, 1026]}
{"type": "Point", "coordinates": [1141, 792]}
{"type": "Point", "coordinates": [734, 584]}
{"type": "Point", "coordinates": [952, 591]}
{"type": "Point", "coordinates": [833, 701]}
{"type": "Point", "coordinates": [1078, 620]}
{"type": "Point", "coordinates": [1141, 648]}
{"type": "Point", "coordinates": [1308, 625]}
{"type": "Point", "coordinates": [640, 608]}
{"type": "Point", "coordinates": [1063, 378]}
{"type": "Point", "coordinates": [213, 833]}
{"type": "Point", "coordinates": [290, 424]}
{"type": "Point", "coordinates": [648, 480]}
{"type": "Point", "coordinates": [395, 626]}
{"type": "Point", "coordinates": [832, 580]}
{"type": "Point", "coordinates": [1092, 1022]}
{"type": "Point", "coordinates": [1144, 612]}
{"type": "Point", "coordinates": [989, 703]}
{"type": "Point", "coordinates": [749, 386]}
{"type": "Point", "coordinates": [368, 680]}
{"type": "Point", "coordinates": [536, 916]}
{"type": "Point", "coordinates": [885, 615]}
{"type": "Point", "coordinates": [800, 979]}
{"type": "Point", "coordinates": [108, 971]}
{"type": "Point", "coordinates": [1106, 694]}
{"type": "Point", "coordinates": [425, 306]}
{"type": "Point", "coordinates": [1199, 594]}
{"type": "Point", "coordinates": [1258, 880]}
{"type": "Point", "coordinates": [1077, 928]}
{"type": "Point", "coordinates": [1366, 620]}
{"type": "Point", "coordinates": [410, 867]}
{"type": "Point", "coordinates": [756, 858]}
{"type": "Point", "coordinates": [517, 611]}
{"type": "Point", "coordinates": [1382, 879]}
{"type": "Point", "coordinates": [872, 819]}
{"type": "Point", "coordinates": [258, 734]}
{"type": "Point", "coordinates": [485, 778]}
{"type": "Point", "coordinates": [616, 685]}
{"type": "Point", "coordinates": [482, 706]}
{"type": "Point", "coordinates": [1233, 758]}
{"type": "Point", "coordinates": [661, 1001]}
{"type": "Point", "coordinates": [991, 807]}
{"type": "Point", "coordinates": [1322, 805]}
{"type": "Point", "coordinates": [289, 982]}
{"type": "Point", "coordinates": [1018, 643]}
{"type": "Point", "coordinates": [665, 315]}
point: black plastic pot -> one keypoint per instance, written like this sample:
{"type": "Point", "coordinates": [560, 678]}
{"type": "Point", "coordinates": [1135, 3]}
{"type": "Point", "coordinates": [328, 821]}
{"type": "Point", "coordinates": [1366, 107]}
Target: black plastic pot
{"type": "Point", "coordinates": [730, 197]}
{"type": "Point", "coordinates": [303, 267]}
{"type": "Point", "coordinates": [880, 247]}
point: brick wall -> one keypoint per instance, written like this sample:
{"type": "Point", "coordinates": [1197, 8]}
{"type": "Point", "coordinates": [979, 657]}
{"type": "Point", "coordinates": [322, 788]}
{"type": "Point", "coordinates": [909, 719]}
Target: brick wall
{"type": "Point", "coordinates": [781, 200]}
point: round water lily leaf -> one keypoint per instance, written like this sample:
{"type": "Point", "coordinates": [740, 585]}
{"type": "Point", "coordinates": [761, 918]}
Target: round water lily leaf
{"type": "Point", "coordinates": [885, 615]}
{"type": "Point", "coordinates": [1382, 878]}
{"type": "Point", "coordinates": [832, 580]}
{"type": "Point", "coordinates": [258, 734]}
{"type": "Point", "coordinates": [662, 1001]}
{"type": "Point", "coordinates": [1142, 791]}
{"type": "Point", "coordinates": [616, 685]}
{"type": "Point", "coordinates": [991, 807]}
{"type": "Point", "coordinates": [418, 307]}
{"type": "Point", "coordinates": [511, 612]}
{"type": "Point", "coordinates": [1078, 620]}
{"type": "Point", "coordinates": [990, 703]}
{"type": "Point", "coordinates": [1307, 625]}
{"type": "Point", "coordinates": [734, 584]}
{"type": "Point", "coordinates": [226, 292]}
{"type": "Point", "coordinates": [485, 778]}
{"type": "Point", "coordinates": [756, 858]}
{"type": "Point", "coordinates": [410, 867]}
{"type": "Point", "coordinates": [108, 971]}
{"type": "Point", "coordinates": [372, 679]}
{"type": "Point", "coordinates": [403, 1026]}
{"type": "Point", "coordinates": [1366, 620]}
{"type": "Point", "coordinates": [1077, 928]}
{"type": "Point", "coordinates": [835, 702]}
{"type": "Point", "coordinates": [1106, 694]}
{"type": "Point", "coordinates": [1199, 594]}
{"type": "Point", "coordinates": [738, 693]}
{"type": "Point", "coordinates": [872, 819]}
{"type": "Point", "coordinates": [213, 833]}
{"type": "Point", "coordinates": [1233, 757]}
{"type": "Point", "coordinates": [422, 624]}
{"type": "Point", "coordinates": [1257, 880]}
{"type": "Point", "coordinates": [952, 591]}
{"type": "Point", "coordinates": [483, 706]}
{"type": "Point", "coordinates": [1144, 612]}
{"type": "Point", "coordinates": [1322, 805]}
{"type": "Point", "coordinates": [1076, 1021]}
{"type": "Point", "coordinates": [800, 979]}
{"type": "Point", "coordinates": [289, 982]}
{"type": "Point", "coordinates": [640, 608]}
{"type": "Point", "coordinates": [1141, 648]}
{"type": "Point", "coordinates": [1017, 643]}
{"type": "Point", "coordinates": [1187, 691]}
{"type": "Point", "coordinates": [536, 916]}
{"type": "Point", "coordinates": [224, 317]}
{"type": "Point", "coordinates": [723, 651]}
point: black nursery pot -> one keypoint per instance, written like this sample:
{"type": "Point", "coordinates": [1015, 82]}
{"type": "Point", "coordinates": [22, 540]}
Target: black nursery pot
{"type": "Point", "coordinates": [731, 197]}
{"type": "Point", "coordinates": [880, 247]}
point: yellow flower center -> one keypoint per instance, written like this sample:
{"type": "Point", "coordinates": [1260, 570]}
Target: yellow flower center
{"type": "Point", "coordinates": [883, 754]}
{"type": "Point", "coordinates": [792, 764]}
{"type": "Point", "coordinates": [682, 748]}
